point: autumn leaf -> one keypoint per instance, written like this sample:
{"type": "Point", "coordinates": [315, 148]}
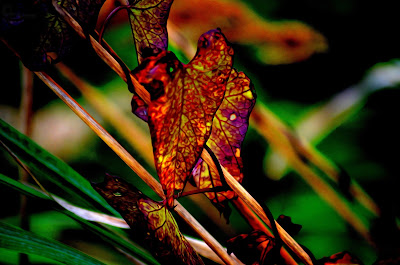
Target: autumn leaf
{"type": "Point", "coordinates": [85, 12]}
{"type": "Point", "coordinates": [151, 222]}
{"type": "Point", "coordinates": [274, 42]}
{"type": "Point", "coordinates": [39, 35]}
{"type": "Point", "coordinates": [228, 131]}
{"type": "Point", "coordinates": [253, 248]}
{"type": "Point", "coordinates": [148, 19]}
{"type": "Point", "coordinates": [184, 99]}
{"type": "Point", "coordinates": [342, 258]}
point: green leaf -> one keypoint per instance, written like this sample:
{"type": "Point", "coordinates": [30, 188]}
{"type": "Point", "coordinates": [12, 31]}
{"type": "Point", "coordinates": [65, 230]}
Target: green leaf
{"type": "Point", "coordinates": [14, 238]}
{"type": "Point", "coordinates": [47, 167]}
{"type": "Point", "coordinates": [99, 230]}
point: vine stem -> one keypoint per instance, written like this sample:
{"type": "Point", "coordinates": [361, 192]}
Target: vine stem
{"type": "Point", "coordinates": [145, 96]}
{"type": "Point", "coordinates": [135, 166]}
{"type": "Point", "coordinates": [256, 224]}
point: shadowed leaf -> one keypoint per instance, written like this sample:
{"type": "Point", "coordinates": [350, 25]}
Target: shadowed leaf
{"type": "Point", "coordinates": [184, 99]}
{"type": "Point", "coordinates": [151, 222]}
{"type": "Point", "coordinates": [288, 225]}
{"type": "Point", "coordinates": [228, 131]}
{"type": "Point", "coordinates": [40, 36]}
{"type": "Point", "coordinates": [342, 258]}
{"type": "Point", "coordinates": [252, 248]}
{"type": "Point", "coordinates": [148, 20]}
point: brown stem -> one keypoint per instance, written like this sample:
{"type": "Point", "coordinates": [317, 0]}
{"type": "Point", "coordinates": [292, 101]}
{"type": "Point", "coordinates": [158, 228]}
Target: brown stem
{"type": "Point", "coordinates": [192, 192]}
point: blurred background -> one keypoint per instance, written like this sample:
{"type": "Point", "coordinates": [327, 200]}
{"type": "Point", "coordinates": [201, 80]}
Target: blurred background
{"type": "Point", "coordinates": [327, 70]}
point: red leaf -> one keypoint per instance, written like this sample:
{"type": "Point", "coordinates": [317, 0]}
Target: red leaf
{"type": "Point", "coordinates": [184, 101]}
{"type": "Point", "coordinates": [228, 131]}
{"type": "Point", "coordinates": [251, 248]}
{"type": "Point", "coordinates": [148, 20]}
{"type": "Point", "coordinates": [151, 222]}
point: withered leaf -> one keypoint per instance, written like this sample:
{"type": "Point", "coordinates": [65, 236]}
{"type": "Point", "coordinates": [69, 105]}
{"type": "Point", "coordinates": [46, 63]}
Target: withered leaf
{"type": "Point", "coordinates": [342, 258]}
{"type": "Point", "coordinates": [275, 42]}
{"type": "Point", "coordinates": [39, 35]}
{"type": "Point", "coordinates": [288, 225]}
{"type": "Point", "coordinates": [228, 131]}
{"type": "Point", "coordinates": [148, 20]}
{"type": "Point", "coordinates": [184, 99]}
{"type": "Point", "coordinates": [253, 248]}
{"type": "Point", "coordinates": [151, 222]}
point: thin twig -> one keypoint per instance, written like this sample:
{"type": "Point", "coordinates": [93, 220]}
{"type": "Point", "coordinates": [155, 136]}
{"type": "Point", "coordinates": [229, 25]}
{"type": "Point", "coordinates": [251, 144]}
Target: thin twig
{"type": "Point", "coordinates": [111, 113]}
{"type": "Point", "coordinates": [143, 93]}
{"type": "Point", "coordinates": [134, 165]}
{"type": "Point", "coordinates": [256, 224]}
{"type": "Point", "coordinates": [323, 189]}
{"type": "Point", "coordinates": [26, 128]}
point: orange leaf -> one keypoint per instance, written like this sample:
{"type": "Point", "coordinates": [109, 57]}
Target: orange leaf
{"type": "Point", "coordinates": [254, 248]}
{"type": "Point", "coordinates": [184, 99]}
{"type": "Point", "coordinates": [151, 222]}
{"type": "Point", "coordinates": [228, 131]}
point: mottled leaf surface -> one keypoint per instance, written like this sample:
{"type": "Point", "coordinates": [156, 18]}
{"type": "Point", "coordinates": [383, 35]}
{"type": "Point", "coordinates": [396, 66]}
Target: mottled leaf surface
{"type": "Point", "coordinates": [148, 20]}
{"type": "Point", "coordinates": [184, 101]}
{"type": "Point", "coordinates": [151, 222]}
{"type": "Point", "coordinates": [37, 32]}
{"type": "Point", "coordinates": [342, 258]}
{"type": "Point", "coordinates": [252, 248]}
{"type": "Point", "coordinates": [228, 131]}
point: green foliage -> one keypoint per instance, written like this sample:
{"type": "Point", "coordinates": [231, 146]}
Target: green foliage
{"type": "Point", "coordinates": [15, 238]}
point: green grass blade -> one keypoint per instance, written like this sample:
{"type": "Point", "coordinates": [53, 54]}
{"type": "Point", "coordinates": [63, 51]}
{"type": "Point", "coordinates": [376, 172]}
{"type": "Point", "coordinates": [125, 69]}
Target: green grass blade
{"type": "Point", "coordinates": [21, 187]}
{"type": "Point", "coordinates": [49, 168]}
{"type": "Point", "coordinates": [115, 240]}
{"type": "Point", "coordinates": [99, 230]}
{"type": "Point", "coordinates": [14, 238]}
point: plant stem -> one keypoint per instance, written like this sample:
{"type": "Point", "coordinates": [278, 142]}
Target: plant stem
{"type": "Point", "coordinates": [125, 126]}
{"type": "Point", "coordinates": [26, 128]}
{"type": "Point", "coordinates": [134, 165]}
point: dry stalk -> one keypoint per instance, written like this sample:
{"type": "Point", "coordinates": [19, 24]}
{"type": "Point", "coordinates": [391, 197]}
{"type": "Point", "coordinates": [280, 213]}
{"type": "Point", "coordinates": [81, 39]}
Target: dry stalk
{"type": "Point", "coordinates": [280, 142]}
